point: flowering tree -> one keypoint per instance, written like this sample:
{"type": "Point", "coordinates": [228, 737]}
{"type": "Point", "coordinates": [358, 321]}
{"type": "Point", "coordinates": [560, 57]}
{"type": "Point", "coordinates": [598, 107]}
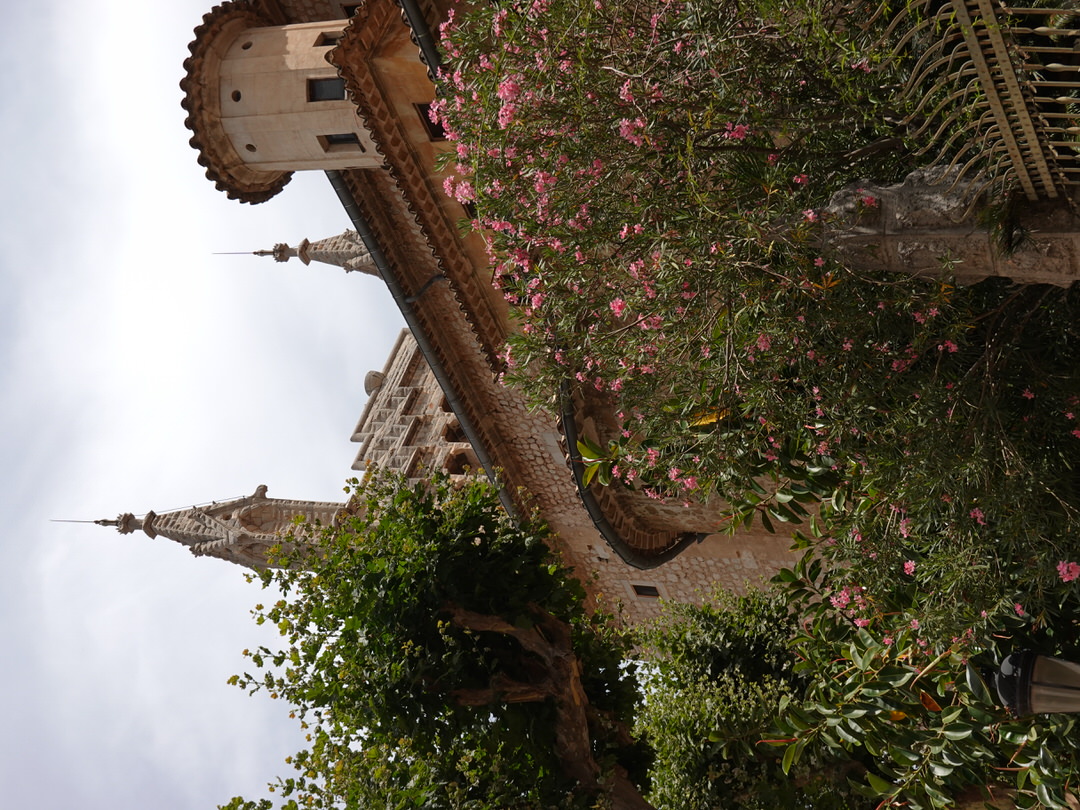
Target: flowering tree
{"type": "Point", "coordinates": [651, 179]}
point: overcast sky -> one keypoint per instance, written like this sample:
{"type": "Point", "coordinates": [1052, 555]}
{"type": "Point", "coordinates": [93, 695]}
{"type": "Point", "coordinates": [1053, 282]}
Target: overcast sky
{"type": "Point", "coordinates": [142, 372]}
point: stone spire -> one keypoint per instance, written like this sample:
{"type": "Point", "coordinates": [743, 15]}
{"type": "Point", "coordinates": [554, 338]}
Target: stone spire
{"type": "Point", "coordinates": [345, 250]}
{"type": "Point", "coordinates": [242, 531]}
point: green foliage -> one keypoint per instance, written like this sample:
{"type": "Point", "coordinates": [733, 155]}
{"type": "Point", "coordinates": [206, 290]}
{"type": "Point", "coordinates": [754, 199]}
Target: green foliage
{"type": "Point", "coordinates": [913, 706]}
{"type": "Point", "coordinates": [402, 657]}
{"type": "Point", "coordinates": [718, 677]}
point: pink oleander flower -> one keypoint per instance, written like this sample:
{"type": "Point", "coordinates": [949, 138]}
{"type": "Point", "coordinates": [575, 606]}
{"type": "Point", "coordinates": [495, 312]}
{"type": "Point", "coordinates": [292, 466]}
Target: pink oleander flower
{"type": "Point", "coordinates": [1019, 609]}
{"type": "Point", "coordinates": [909, 567]}
{"type": "Point", "coordinates": [617, 306]}
{"type": "Point", "coordinates": [862, 622]}
{"type": "Point", "coordinates": [978, 516]}
{"type": "Point", "coordinates": [1068, 571]}
{"type": "Point", "coordinates": [914, 624]}
{"type": "Point", "coordinates": [630, 130]}
{"type": "Point", "coordinates": [506, 115]}
{"type": "Point", "coordinates": [1028, 394]}
{"type": "Point", "coordinates": [810, 215]}
{"type": "Point", "coordinates": [735, 132]}
{"type": "Point", "coordinates": [800, 179]}
{"type": "Point", "coordinates": [508, 89]}
{"type": "Point", "coordinates": [819, 262]}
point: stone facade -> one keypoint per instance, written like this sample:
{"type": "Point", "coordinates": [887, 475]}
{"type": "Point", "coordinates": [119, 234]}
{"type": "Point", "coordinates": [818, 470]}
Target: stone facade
{"type": "Point", "coordinates": [615, 539]}
{"type": "Point", "coordinates": [407, 424]}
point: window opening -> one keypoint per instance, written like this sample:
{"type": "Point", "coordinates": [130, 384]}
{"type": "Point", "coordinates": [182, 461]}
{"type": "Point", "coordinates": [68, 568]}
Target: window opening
{"type": "Point", "coordinates": [341, 142]}
{"type": "Point", "coordinates": [326, 89]}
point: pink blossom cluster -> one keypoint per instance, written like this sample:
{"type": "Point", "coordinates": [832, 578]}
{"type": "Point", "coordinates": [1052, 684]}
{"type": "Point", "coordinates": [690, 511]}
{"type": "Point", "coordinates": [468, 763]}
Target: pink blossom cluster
{"type": "Point", "coordinates": [735, 132]}
{"type": "Point", "coordinates": [632, 130]}
{"type": "Point", "coordinates": [1068, 571]}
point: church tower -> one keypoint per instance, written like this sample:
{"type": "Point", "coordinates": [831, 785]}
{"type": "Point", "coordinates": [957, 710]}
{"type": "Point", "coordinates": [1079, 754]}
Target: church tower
{"type": "Point", "coordinates": [242, 531]}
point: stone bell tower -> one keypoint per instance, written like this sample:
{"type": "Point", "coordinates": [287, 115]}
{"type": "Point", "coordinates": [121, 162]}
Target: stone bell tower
{"type": "Point", "coordinates": [242, 531]}
{"type": "Point", "coordinates": [262, 102]}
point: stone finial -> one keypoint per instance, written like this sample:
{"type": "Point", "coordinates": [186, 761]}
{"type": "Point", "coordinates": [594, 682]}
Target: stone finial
{"type": "Point", "coordinates": [125, 523]}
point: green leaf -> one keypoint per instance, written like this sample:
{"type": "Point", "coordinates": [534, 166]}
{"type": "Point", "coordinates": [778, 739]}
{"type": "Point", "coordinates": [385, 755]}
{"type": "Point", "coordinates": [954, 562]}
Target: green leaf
{"type": "Point", "coordinates": [767, 523]}
{"type": "Point", "coordinates": [880, 786]}
{"type": "Point", "coordinates": [589, 474]}
{"type": "Point", "coordinates": [1049, 796]}
{"type": "Point", "coordinates": [847, 736]}
{"type": "Point", "coordinates": [903, 756]}
{"type": "Point", "coordinates": [605, 475]}
{"type": "Point", "coordinates": [589, 450]}
{"type": "Point", "coordinates": [790, 756]}
{"type": "Point", "coordinates": [873, 745]}
{"type": "Point", "coordinates": [976, 684]}
{"type": "Point", "coordinates": [940, 769]}
{"type": "Point", "coordinates": [957, 731]}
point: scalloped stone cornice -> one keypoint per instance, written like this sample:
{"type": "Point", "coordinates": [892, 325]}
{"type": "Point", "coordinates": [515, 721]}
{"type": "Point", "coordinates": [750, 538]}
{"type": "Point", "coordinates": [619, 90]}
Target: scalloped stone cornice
{"type": "Point", "coordinates": [224, 167]}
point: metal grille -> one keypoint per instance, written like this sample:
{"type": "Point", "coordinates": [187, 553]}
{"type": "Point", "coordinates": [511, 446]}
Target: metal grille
{"type": "Point", "coordinates": [994, 92]}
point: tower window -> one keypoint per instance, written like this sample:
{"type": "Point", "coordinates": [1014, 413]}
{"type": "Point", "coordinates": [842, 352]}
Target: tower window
{"type": "Point", "coordinates": [341, 142]}
{"type": "Point", "coordinates": [649, 591]}
{"type": "Point", "coordinates": [350, 10]}
{"type": "Point", "coordinates": [328, 39]}
{"type": "Point", "coordinates": [326, 89]}
{"type": "Point", "coordinates": [435, 131]}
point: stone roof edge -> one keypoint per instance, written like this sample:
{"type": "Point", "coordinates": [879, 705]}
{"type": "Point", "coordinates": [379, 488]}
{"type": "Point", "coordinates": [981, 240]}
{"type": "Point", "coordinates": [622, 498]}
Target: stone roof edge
{"type": "Point", "coordinates": [396, 151]}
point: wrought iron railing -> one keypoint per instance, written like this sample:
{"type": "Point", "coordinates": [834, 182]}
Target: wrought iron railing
{"type": "Point", "coordinates": [993, 98]}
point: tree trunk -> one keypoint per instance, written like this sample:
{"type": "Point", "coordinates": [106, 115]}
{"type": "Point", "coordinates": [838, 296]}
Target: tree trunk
{"type": "Point", "coordinates": [550, 641]}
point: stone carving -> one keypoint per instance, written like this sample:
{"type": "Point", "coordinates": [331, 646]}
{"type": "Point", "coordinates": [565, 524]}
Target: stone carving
{"type": "Point", "coordinates": [931, 225]}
